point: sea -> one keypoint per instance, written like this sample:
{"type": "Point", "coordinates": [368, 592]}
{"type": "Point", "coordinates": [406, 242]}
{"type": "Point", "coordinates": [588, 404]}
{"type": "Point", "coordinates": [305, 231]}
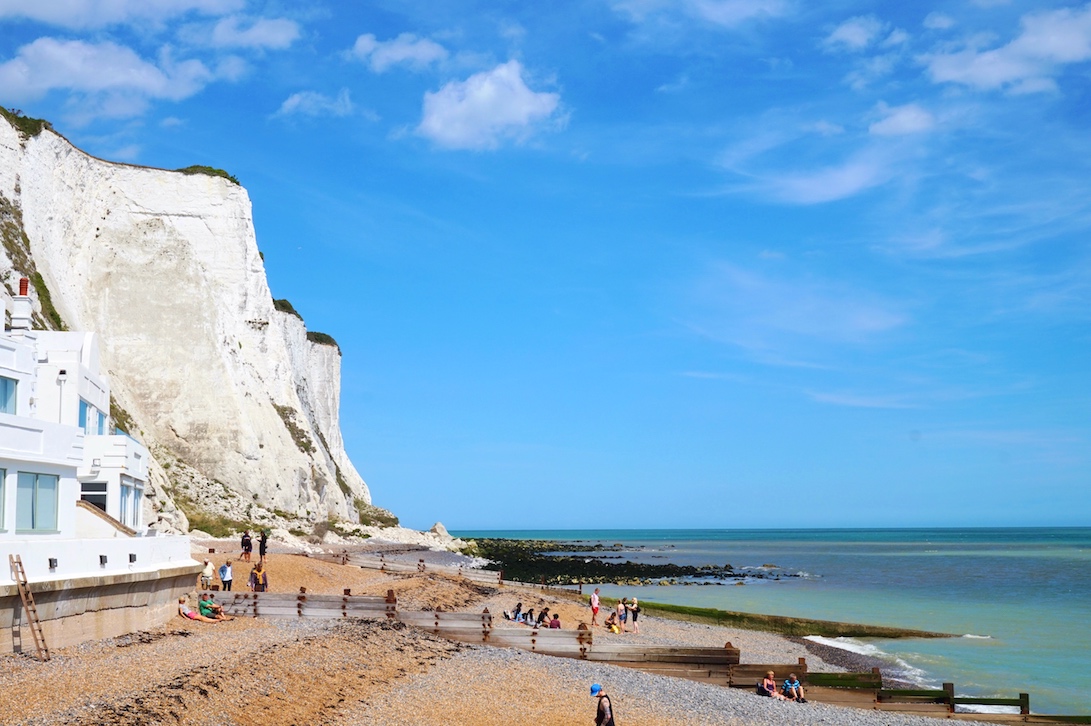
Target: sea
{"type": "Point", "coordinates": [1018, 600]}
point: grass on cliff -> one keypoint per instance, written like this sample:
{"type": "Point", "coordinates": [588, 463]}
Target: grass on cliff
{"type": "Point", "coordinates": [322, 339]}
{"type": "Point", "coordinates": [372, 516]}
{"type": "Point", "coordinates": [299, 435]}
{"type": "Point", "coordinates": [27, 126]}
{"type": "Point", "coordinates": [283, 306]}
{"type": "Point", "coordinates": [209, 171]}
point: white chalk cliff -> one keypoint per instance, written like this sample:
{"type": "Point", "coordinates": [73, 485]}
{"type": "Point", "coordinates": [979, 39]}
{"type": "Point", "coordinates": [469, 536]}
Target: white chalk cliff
{"type": "Point", "coordinates": [237, 405]}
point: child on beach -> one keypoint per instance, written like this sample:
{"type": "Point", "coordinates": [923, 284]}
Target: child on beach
{"type": "Point", "coordinates": [555, 623]}
{"type": "Point", "coordinates": [259, 581]}
{"type": "Point", "coordinates": [611, 624]}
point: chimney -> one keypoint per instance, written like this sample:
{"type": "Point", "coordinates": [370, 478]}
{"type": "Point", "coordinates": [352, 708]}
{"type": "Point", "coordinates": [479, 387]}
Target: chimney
{"type": "Point", "coordinates": [21, 310]}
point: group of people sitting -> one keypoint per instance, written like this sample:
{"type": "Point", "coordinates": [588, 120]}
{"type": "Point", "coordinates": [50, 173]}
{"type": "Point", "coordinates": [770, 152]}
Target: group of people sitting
{"type": "Point", "coordinates": [208, 610]}
{"type": "Point", "coordinates": [792, 690]}
{"type": "Point", "coordinates": [543, 620]}
{"type": "Point", "coordinates": [623, 614]}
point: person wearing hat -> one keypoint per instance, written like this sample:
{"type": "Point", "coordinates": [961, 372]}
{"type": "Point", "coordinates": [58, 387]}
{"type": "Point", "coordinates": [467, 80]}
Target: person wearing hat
{"type": "Point", "coordinates": [604, 714]}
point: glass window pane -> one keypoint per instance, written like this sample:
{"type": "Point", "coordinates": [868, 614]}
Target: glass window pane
{"type": "Point", "coordinates": [123, 515]}
{"type": "Point", "coordinates": [24, 501]}
{"type": "Point", "coordinates": [3, 489]}
{"type": "Point", "coordinates": [99, 500]}
{"type": "Point", "coordinates": [45, 503]}
{"type": "Point", "coordinates": [101, 423]}
{"type": "Point", "coordinates": [83, 414]}
{"type": "Point", "coordinates": [93, 486]}
{"type": "Point", "coordinates": [7, 395]}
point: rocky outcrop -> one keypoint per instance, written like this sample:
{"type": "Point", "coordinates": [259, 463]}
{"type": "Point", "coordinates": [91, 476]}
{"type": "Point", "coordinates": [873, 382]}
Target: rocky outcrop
{"type": "Point", "coordinates": [237, 404]}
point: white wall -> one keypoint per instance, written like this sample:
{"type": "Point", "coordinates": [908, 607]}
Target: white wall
{"type": "Point", "coordinates": [80, 558]}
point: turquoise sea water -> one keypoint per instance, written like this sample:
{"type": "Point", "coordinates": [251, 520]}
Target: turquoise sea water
{"type": "Point", "coordinates": [1021, 598]}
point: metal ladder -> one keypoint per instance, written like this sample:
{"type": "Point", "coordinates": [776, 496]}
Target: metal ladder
{"type": "Point", "coordinates": [19, 574]}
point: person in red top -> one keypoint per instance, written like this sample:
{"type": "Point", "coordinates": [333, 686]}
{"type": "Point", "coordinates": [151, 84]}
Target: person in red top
{"type": "Point", "coordinates": [595, 607]}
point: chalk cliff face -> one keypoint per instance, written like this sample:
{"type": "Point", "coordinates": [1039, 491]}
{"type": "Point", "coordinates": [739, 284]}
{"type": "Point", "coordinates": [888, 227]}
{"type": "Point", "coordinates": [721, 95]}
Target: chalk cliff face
{"type": "Point", "coordinates": [239, 408]}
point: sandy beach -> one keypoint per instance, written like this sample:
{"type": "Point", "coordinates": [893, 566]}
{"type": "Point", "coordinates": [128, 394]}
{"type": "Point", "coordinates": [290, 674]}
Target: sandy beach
{"type": "Point", "coordinates": [254, 671]}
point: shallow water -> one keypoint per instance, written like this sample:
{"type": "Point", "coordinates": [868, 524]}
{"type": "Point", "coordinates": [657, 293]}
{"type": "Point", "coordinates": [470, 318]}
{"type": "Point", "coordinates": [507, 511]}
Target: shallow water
{"type": "Point", "coordinates": [1020, 597]}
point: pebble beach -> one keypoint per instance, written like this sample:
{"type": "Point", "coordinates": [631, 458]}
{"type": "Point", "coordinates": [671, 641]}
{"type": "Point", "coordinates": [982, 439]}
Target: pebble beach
{"type": "Point", "coordinates": [254, 671]}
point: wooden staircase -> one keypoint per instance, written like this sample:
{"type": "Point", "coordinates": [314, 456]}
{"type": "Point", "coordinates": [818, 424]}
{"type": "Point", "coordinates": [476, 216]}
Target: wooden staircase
{"type": "Point", "coordinates": [19, 574]}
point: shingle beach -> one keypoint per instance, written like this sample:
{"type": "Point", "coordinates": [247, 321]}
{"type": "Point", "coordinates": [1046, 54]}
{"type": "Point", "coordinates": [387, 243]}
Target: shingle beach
{"type": "Point", "coordinates": [254, 672]}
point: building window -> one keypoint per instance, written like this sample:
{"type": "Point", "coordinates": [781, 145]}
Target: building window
{"type": "Point", "coordinates": [7, 395]}
{"type": "Point", "coordinates": [132, 495]}
{"type": "Point", "coordinates": [94, 492]}
{"type": "Point", "coordinates": [36, 502]}
{"type": "Point", "coordinates": [3, 498]}
{"type": "Point", "coordinates": [101, 423]}
{"type": "Point", "coordinates": [84, 406]}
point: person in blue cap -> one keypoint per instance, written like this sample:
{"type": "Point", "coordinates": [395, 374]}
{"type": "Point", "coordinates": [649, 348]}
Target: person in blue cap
{"type": "Point", "coordinates": [604, 715]}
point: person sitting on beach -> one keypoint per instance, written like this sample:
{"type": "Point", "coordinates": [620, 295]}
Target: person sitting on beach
{"type": "Point", "coordinates": [611, 623]}
{"type": "Point", "coordinates": [210, 609]}
{"type": "Point", "coordinates": [792, 689]}
{"type": "Point", "coordinates": [259, 581]}
{"type": "Point", "coordinates": [514, 614]}
{"type": "Point", "coordinates": [528, 617]}
{"type": "Point", "coordinates": [768, 687]}
{"type": "Point", "coordinates": [185, 611]}
{"type": "Point", "coordinates": [555, 623]}
{"type": "Point", "coordinates": [543, 617]}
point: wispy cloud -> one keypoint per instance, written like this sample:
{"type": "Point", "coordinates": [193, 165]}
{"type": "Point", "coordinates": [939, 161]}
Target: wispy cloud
{"type": "Point", "coordinates": [405, 50]}
{"type": "Point", "coordinates": [856, 400]}
{"type": "Point", "coordinates": [721, 13]}
{"type": "Point", "coordinates": [486, 109]}
{"type": "Point", "coordinates": [241, 32]}
{"type": "Point", "coordinates": [901, 120]}
{"type": "Point", "coordinates": [1028, 64]}
{"type": "Point", "coordinates": [857, 174]}
{"type": "Point", "coordinates": [312, 103]}
{"type": "Point", "coordinates": [772, 317]}
{"type": "Point", "coordinates": [78, 14]}
{"type": "Point", "coordinates": [855, 34]}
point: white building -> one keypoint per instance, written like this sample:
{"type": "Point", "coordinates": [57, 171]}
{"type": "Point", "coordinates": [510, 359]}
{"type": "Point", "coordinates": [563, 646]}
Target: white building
{"type": "Point", "coordinates": [71, 494]}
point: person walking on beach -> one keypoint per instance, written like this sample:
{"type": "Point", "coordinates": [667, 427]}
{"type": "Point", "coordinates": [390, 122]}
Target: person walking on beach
{"type": "Point", "coordinates": [604, 713]}
{"type": "Point", "coordinates": [259, 581]}
{"type": "Point", "coordinates": [263, 544]}
{"type": "Point", "coordinates": [206, 575]}
{"type": "Point", "coordinates": [226, 576]}
{"type": "Point", "coordinates": [595, 607]}
{"type": "Point", "coordinates": [247, 546]}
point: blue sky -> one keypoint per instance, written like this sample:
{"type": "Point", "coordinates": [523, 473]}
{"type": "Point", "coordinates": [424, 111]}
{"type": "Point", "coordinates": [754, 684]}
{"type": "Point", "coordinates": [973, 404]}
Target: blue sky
{"type": "Point", "coordinates": [629, 263]}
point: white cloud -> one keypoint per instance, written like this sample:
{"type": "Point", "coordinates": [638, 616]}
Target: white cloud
{"type": "Point", "coordinates": [870, 70]}
{"type": "Point", "coordinates": [724, 13]}
{"type": "Point", "coordinates": [938, 21]}
{"type": "Point", "coordinates": [1028, 63]}
{"type": "Point", "coordinates": [896, 37]}
{"type": "Point", "coordinates": [237, 32]}
{"type": "Point", "coordinates": [830, 183]}
{"type": "Point", "coordinates": [901, 120]}
{"type": "Point", "coordinates": [406, 49]}
{"type": "Point", "coordinates": [101, 13]}
{"type": "Point", "coordinates": [856, 400]}
{"type": "Point", "coordinates": [773, 316]}
{"type": "Point", "coordinates": [854, 34]}
{"type": "Point", "coordinates": [825, 128]}
{"type": "Point", "coordinates": [49, 64]}
{"type": "Point", "coordinates": [311, 103]}
{"type": "Point", "coordinates": [485, 109]}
